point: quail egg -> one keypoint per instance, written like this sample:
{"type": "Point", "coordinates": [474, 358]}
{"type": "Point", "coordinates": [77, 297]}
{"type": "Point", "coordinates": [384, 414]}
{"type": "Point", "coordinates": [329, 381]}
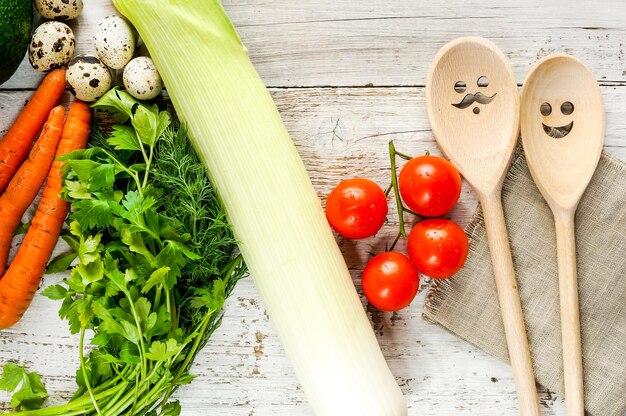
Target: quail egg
{"type": "Point", "coordinates": [51, 46]}
{"type": "Point", "coordinates": [59, 9]}
{"type": "Point", "coordinates": [114, 41]}
{"type": "Point", "coordinates": [141, 79]}
{"type": "Point", "coordinates": [88, 78]}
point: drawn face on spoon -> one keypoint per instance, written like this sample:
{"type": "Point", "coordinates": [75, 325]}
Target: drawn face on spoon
{"type": "Point", "coordinates": [567, 108]}
{"type": "Point", "coordinates": [562, 127]}
{"type": "Point", "coordinates": [473, 108]}
{"type": "Point", "coordinates": [478, 97]}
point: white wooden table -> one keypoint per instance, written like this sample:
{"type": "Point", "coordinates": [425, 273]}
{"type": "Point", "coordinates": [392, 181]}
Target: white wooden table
{"type": "Point", "coordinates": [348, 76]}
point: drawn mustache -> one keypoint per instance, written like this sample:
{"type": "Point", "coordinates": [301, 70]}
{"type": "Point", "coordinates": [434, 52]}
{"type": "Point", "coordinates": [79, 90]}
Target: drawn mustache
{"type": "Point", "coordinates": [470, 99]}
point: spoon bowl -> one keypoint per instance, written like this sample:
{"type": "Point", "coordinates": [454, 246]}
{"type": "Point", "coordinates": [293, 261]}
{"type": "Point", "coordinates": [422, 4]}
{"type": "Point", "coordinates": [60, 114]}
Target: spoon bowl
{"type": "Point", "coordinates": [562, 122]}
{"type": "Point", "coordinates": [473, 108]}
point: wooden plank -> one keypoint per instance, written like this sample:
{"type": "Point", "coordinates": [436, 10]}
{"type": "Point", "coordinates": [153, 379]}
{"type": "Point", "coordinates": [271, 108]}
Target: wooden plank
{"type": "Point", "coordinates": [345, 131]}
{"type": "Point", "coordinates": [244, 371]}
{"type": "Point", "coordinates": [349, 43]}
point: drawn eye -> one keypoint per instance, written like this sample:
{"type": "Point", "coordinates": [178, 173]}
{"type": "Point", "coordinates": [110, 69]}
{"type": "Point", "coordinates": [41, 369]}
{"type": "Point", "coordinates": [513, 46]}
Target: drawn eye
{"type": "Point", "coordinates": [483, 82]}
{"type": "Point", "coordinates": [546, 109]}
{"type": "Point", "coordinates": [567, 108]}
{"type": "Point", "coordinates": [460, 87]}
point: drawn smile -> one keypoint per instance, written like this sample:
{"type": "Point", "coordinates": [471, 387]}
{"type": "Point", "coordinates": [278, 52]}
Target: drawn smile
{"type": "Point", "coordinates": [470, 99]}
{"type": "Point", "coordinates": [558, 132]}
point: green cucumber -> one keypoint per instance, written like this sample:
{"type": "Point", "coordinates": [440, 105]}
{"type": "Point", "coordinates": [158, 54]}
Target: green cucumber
{"type": "Point", "coordinates": [16, 17]}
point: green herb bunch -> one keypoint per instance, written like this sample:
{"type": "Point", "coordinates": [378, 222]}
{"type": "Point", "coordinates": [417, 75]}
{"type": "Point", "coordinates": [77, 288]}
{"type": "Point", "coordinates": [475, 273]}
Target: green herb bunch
{"type": "Point", "coordinates": [156, 260]}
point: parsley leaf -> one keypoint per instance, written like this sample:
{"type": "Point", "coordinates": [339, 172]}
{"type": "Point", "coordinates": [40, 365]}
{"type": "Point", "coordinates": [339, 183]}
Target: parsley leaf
{"type": "Point", "coordinates": [92, 213]}
{"type": "Point", "coordinates": [31, 392]}
{"type": "Point", "coordinates": [124, 138]}
{"type": "Point", "coordinates": [55, 292]}
{"type": "Point", "coordinates": [102, 177]}
{"type": "Point", "coordinates": [171, 409]}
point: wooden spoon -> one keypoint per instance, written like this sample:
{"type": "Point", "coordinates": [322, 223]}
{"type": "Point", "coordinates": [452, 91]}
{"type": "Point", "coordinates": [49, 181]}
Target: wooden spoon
{"type": "Point", "coordinates": [562, 120]}
{"type": "Point", "coordinates": [473, 108]}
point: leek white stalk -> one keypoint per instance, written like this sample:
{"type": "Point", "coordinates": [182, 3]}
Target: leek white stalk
{"type": "Point", "coordinates": [276, 215]}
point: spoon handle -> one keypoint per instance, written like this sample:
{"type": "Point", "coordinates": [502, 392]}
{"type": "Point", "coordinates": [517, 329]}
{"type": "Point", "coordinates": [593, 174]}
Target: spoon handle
{"type": "Point", "coordinates": [510, 304]}
{"type": "Point", "coordinates": [570, 318]}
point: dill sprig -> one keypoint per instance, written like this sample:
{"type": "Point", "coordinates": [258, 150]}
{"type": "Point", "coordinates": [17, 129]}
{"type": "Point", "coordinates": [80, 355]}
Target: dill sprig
{"type": "Point", "coordinates": [189, 197]}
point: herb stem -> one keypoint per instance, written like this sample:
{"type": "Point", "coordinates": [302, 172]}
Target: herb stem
{"type": "Point", "coordinates": [190, 356]}
{"type": "Point", "coordinates": [142, 348]}
{"type": "Point", "coordinates": [81, 406]}
{"type": "Point", "coordinates": [121, 405]}
{"type": "Point", "coordinates": [157, 296]}
{"type": "Point", "coordinates": [172, 302]}
{"type": "Point", "coordinates": [83, 368]}
{"type": "Point", "coordinates": [148, 160]}
{"type": "Point", "coordinates": [168, 305]}
{"type": "Point", "coordinates": [153, 394]}
{"type": "Point", "coordinates": [130, 172]}
{"type": "Point", "coordinates": [113, 400]}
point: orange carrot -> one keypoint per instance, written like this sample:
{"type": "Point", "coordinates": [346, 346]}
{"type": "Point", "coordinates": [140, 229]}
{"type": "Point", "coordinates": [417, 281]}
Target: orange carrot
{"type": "Point", "coordinates": [19, 284]}
{"type": "Point", "coordinates": [16, 142]}
{"type": "Point", "coordinates": [26, 183]}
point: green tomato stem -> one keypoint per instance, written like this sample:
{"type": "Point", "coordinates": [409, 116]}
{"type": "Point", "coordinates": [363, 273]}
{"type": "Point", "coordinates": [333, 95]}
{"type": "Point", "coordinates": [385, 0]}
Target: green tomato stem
{"type": "Point", "coordinates": [393, 245]}
{"type": "Point", "coordinates": [394, 185]}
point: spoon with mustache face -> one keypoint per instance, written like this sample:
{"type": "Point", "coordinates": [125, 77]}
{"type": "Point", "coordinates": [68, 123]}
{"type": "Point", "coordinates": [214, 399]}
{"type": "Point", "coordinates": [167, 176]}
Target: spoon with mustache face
{"type": "Point", "coordinates": [481, 146]}
{"type": "Point", "coordinates": [562, 167]}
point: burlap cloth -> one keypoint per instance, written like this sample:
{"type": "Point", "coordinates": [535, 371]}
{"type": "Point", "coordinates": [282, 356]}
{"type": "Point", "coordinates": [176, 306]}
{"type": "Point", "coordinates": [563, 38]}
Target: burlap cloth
{"type": "Point", "coordinates": [467, 304]}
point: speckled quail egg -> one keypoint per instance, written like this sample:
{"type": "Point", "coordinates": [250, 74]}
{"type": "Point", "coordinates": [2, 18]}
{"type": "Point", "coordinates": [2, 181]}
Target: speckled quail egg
{"type": "Point", "coordinates": [114, 41]}
{"type": "Point", "coordinates": [88, 78]}
{"type": "Point", "coordinates": [59, 9]}
{"type": "Point", "coordinates": [51, 46]}
{"type": "Point", "coordinates": [141, 79]}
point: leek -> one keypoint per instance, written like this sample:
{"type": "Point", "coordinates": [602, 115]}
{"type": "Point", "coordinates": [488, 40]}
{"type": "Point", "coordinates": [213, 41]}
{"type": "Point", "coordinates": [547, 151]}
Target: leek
{"type": "Point", "coordinates": [269, 200]}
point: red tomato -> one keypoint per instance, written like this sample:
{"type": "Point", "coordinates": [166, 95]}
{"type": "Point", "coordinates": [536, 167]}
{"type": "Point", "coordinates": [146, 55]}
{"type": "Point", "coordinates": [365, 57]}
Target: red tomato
{"type": "Point", "coordinates": [437, 247]}
{"type": "Point", "coordinates": [356, 208]}
{"type": "Point", "coordinates": [390, 281]}
{"type": "Point", "coordinates": [429, 185]}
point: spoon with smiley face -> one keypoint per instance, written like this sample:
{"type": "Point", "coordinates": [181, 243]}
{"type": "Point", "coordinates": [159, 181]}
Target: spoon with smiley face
{"type": "Point", "coordinates": [473, 108]}
{"type": "Point", "coordinates": [562, 161]}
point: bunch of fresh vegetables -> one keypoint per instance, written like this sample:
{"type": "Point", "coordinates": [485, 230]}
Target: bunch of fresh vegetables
{"type": "Point", "coordinates": [430, 186]}
{"type": "Point", "coordinates": [156, 260]}
{"type": "Point", "coordinates": [271, 204]}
